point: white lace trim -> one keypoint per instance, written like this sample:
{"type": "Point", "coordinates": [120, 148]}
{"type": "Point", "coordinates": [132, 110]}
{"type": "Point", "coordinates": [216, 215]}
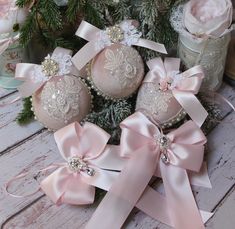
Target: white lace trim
{"type": "Point", "coordinates": [64, 62]}
{"type": "Point", "coordinates": [131, 36]}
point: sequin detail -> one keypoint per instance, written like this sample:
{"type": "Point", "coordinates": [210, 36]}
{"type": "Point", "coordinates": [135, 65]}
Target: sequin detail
{"type": "Point", "coordinates": [61, 99]}
{"type": "Point", "coordinates": [152, 99]}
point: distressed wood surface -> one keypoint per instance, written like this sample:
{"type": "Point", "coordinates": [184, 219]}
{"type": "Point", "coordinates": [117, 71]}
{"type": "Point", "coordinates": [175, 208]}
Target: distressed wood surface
{"type": "Point", "coordinates": [9, 127]}
{"type": "Point", "coordinates": [31, 148]}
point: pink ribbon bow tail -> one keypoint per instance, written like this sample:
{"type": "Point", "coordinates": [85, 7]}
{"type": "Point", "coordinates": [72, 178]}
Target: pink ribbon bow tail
{"type": "Point", "coordinates": [144, 145]}
{"type": "Point", "coordinates": [183, 86]}
{"type": "Point", "coordinates": [184, 151]}
{"type": "Point", "coordinates": [87, 157]}
{"type": "Point", "coordinates": [35, 76]}
{"type": "Point", "coordinates": [124, 33]}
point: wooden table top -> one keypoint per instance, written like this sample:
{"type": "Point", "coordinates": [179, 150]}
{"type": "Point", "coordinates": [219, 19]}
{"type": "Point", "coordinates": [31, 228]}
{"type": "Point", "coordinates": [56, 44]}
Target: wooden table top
{"type": "Point", "coordinates": [31, 147]}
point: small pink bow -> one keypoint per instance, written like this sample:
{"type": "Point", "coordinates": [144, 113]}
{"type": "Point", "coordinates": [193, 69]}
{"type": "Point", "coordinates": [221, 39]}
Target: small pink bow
{"type": "Point", "coordinates": [87, 160]}
{"type": "Point", "coordinates": [6, 42]}
{"type": "Point", "coordinates": [147, 148]}
{"type": "Point", "coordinates": [35, 76]}
{"type": "Point", "coordinates": [125, 33]}
{"type": "Point", "coordinates": [184, 86]}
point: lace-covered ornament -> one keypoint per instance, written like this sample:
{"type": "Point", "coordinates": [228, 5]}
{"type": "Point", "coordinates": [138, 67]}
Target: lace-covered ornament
{"type": "Point", "coordinates": [155, 99]}
{"type": "Point", "coordinates": [159, 104]}
{"type": "Point", "coordinates": [117, 71]}
{"type": "Point", "coordinates": [63, 100]}
{"type": "Point", "coordinates": [59, 95]}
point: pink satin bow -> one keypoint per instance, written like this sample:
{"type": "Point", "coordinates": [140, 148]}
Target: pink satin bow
{"type": "Point", "coordinates": [126, 33]}
{"type": "Point", "coordinates": [34, 77]}
{"type": "Point", "coordinates": [141, 142]}
{"type": "Point", "coordinates": [183, 86]}
{"type": "Point", "coordinates": [6, 42]}
{"type": "Point", "coordinates": [87, 160]}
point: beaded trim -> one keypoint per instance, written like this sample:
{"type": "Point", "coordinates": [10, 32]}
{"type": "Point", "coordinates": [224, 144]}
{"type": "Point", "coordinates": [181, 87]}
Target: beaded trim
{"type": "Point", "coordinates": [171, 122]}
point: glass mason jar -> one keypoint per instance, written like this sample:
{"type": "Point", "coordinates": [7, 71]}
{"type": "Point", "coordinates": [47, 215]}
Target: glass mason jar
{"type": "Point", "coordinates": [211, 54]}
{"type": "Point", "coordinates": [14, 54]}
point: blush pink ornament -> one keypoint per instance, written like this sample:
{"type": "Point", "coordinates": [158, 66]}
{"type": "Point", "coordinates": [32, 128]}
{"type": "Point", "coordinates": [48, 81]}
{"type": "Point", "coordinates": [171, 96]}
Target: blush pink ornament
{"type": "Point", "coordinates": [59, 96]}
{"type": "Point", "coordinates": [62, 100]}
{"type": "Point", "coordinates": [167, 95]}
{"type": "Point", "coordinates": [116, 69]}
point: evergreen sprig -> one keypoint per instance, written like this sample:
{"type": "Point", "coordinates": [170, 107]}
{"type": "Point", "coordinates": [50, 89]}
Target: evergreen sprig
{"type": "Point", "coordinates": [26, 115]}
{"type": "Point", "coordinates": [28, 28]}
{"type": "Point", "coordinates": [110, 115]}
{"type": "Point", "coordinates": [122, 11]}
{"type": "Point", "coordinates": [50, 14]}
{"type": "Point", "coordinates": [74, 7]}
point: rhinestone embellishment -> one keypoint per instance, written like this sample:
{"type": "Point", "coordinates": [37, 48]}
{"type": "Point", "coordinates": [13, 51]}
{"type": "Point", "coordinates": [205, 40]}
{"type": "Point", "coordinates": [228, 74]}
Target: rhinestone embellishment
{"type": "Point", "coordinates": [50, 67]}
{"type": "Point", "coordinates": [77, 164]}
{"type": "Point", "coordinates": [165, 159]}
{"type": "Point", "coordinates": [115, 33]}
{"type": "Point", "coordinates": [164, 143]}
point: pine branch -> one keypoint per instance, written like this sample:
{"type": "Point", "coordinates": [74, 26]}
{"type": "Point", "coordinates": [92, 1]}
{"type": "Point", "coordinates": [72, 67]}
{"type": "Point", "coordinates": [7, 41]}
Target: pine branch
{"type": "Point", "coordinates": [50, 14]}
{"type": "Point", "coordinates": [122, 11]}
{"type": "Point", "coordinates": [28, 28]}
{"type": "Point", "coordinates": [26, 115]}
{"type": "Point", "coordinates": [23, 3]}
{"type": "Point", "coordinates": [109, 114]}
{"type": "Point", "coordinates": [92, 15]}
{"type": "Point", "coordinates": [74, 7]}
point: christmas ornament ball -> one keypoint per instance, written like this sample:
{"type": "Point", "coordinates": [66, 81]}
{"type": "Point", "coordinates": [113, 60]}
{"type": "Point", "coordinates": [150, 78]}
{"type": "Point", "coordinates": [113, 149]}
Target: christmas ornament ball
{"type": "Point", "coordinates": [117, 71]}
{"type": "Point", "coordinates": [159, 105]}
{"type": "Point", "coordinates": [62, 100]}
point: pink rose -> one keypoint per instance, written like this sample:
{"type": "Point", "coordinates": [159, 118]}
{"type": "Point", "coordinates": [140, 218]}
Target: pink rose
{"type": "Point", "coordinates": [208, 17]}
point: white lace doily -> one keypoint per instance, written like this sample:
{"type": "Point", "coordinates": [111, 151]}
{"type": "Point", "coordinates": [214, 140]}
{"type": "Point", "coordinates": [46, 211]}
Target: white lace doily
{"type": "Point", "coordinates": [131, 36]}
{"type": "Point", "coordinates": [64, 62]}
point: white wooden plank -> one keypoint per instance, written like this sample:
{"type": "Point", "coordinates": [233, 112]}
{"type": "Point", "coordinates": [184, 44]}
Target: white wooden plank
{"type": "Point", "coordinates": [224, 214]}
{"type": "Point", "coordinates": [5, 92]}
{"type": "Point", "coordinates": [12, 133]}
{"type": "Point", "coordinates": [32, 155]}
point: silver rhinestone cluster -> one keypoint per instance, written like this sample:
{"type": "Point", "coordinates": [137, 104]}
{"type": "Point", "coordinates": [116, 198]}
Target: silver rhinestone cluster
{"type": "Point", "coordinates": [77, 164]}
{"type": "Point", "coordinates": [115, 33]}
{"type": "Point", "coordinates": [164, 143]}
{"type": "Point", "coordinates": [165, 159]}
